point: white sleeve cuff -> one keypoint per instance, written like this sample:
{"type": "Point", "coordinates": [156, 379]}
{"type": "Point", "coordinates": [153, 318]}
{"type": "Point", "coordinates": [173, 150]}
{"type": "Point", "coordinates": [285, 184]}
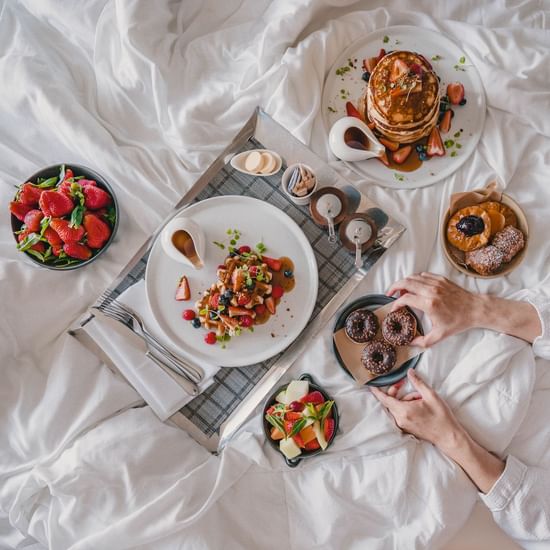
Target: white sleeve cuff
{"type": "Point", "coordinates": [541, 344]}
{"type": "Point", "coordinates": [506, 486]}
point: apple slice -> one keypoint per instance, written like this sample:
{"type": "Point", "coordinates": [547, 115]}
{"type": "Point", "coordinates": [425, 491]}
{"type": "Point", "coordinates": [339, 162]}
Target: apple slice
{"type": "Point", "coordinates": [289, 448]}
{"type": "Point", "coordinates": [296, 390]}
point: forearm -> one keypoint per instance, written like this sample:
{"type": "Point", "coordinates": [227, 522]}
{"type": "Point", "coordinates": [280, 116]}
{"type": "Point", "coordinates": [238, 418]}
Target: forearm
{"type": "Point", "coordinates": [482, 467]}
{"type": "Point", "coordinates": [511, 317]}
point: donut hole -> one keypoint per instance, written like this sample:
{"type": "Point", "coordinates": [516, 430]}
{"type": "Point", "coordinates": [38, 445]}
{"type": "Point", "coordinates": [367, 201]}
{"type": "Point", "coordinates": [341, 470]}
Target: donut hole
{"type": "Point", "coordinates": [395, 326]}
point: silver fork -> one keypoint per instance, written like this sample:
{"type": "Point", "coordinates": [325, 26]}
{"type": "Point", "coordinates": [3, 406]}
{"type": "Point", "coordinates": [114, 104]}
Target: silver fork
{"type": "Point", "coordinates": [126, 315]}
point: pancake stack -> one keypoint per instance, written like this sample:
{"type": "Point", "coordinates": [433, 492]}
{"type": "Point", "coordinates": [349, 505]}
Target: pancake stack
{"type": "Point", "coordinates": [402, 97]}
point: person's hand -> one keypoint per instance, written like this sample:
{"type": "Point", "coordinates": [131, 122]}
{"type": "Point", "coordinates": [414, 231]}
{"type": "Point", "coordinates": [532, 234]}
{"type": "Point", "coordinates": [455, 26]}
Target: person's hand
{"type": "Point", "coordinates": [423, 414]}
{"type": "Point", "coordinates": [451, 309]}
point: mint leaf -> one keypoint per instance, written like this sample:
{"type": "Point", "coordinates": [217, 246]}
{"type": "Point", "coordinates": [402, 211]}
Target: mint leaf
{"type": "Point", "coordinates": [46, 183]}
{"type": "Point", "coordinates": [297, 427]}
{"type": "Point", "coordinates": [30, 240]}
{"type": "Point", "coordinates": [76, 216]}
{"type": "Point", "coordinates": [111, 215]}
{"type": "Point", "coordinates": [276, 422]}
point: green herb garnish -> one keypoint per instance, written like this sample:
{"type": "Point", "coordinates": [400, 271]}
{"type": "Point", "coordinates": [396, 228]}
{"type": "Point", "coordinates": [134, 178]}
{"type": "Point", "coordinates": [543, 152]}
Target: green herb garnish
{"type": "Point", "coordinates": [436, 57]}
{"type": "Point", "coordinates": [386, 39]}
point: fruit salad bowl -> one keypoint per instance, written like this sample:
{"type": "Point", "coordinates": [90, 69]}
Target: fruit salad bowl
{"type": "Point", "coordinates": [64, 216]}
{"type": "Point", "coordinates": [300, 420]}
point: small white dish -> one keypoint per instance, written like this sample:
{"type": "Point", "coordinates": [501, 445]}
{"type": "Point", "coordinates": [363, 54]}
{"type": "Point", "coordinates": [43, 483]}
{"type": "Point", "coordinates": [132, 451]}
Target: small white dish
{"type": "Point", "coordinates": [301, 201]}
{"type": "Point", "coordinates": [169, 237]}
{"type": "Point", "coordinates": [238, 162]}
{"type": "Point", "coordinates": [343, 151]}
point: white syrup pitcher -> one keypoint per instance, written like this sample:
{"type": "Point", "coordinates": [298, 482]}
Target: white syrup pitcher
{"type": "Point", "coordinates": [350, 139]}
{"type": "Point", "coordinates": [183, 240]}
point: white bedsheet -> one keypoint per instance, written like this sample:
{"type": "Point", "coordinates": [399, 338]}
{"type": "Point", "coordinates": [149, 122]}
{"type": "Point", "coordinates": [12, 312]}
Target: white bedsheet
{"type": "Point", "coordinates": [148, 93]}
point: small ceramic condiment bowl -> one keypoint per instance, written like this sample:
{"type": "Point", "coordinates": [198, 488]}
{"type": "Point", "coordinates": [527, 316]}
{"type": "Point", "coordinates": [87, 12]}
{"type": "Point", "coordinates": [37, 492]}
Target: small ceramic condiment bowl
{"type": "Point", "coordinates": [196, 235]}
{"type": "Point", "coordinates": [293, 462]}
{"type": "Point", "coordinates": [238, 162]}
{"type": "Point", "coordinates": [287, 174]}
{"type": "Point", "coordinates": [351, 130]}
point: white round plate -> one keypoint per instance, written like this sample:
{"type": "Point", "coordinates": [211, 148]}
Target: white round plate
{"type": "Point", "coordinates": [257, 221]}
{"type": "Point", "coordinates": [470, 117]}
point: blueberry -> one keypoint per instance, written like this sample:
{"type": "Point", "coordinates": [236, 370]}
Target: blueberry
{"type": "Point", "coordinates": [228, 294]}
{"type": "Point", "coordinates": [250, 284]}
{"type": "Point", "coordinates": [213, 315]}
{"type": "Point", "coordinates": [463, 101]}
{"type": "Point", "coordinates": [196, 322]}
{"type": "Point", "coordinates": [471, 225]}
{"type": "Point", "coordinates": [365, 76]}
{"type": "Point", "coordinates": [419, 148]}
{"type": "Point", "coordinates": [223, 300]}
{"type": "Point", "coordinates": [288, 273]}
{"type": "Point", "coordinates": [423, 156]}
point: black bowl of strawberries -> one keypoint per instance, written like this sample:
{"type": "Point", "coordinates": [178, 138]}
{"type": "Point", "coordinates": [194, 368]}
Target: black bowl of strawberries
{"type": "Point", "coordinates": [300, 420]}
{"type": "Point", "coordinates": [64, 216]}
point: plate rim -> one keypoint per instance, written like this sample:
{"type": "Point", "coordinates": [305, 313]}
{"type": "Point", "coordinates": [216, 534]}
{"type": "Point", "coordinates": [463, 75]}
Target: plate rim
{"type": "Point", "coordinates": [460, 160]}
{"type": "Point", "coordinates": [284, 343]}
{"type": "Point", "coordinates": [386, 379]}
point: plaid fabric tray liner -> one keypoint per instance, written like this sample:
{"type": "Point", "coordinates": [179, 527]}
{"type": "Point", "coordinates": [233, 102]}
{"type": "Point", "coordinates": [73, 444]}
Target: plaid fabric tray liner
{"type": "Point", "coordinates": [214, 406]}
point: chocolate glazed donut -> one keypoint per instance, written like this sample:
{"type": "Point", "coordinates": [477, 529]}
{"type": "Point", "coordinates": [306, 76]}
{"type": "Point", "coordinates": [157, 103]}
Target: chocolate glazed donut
{"type": "Point", "coordinates": [361, 325]}
{"type": "Point", "coordinates": [378, 357]}
{"type": "Point", "coordinates": [399, 327]}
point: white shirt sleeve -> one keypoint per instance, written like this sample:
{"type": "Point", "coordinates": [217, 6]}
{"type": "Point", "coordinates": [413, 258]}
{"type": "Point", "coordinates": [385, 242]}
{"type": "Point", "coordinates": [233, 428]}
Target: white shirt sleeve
{"type": "Point", "coordinates": [541, 345]}
{"type": "Point", "coordinates": [520, 501]}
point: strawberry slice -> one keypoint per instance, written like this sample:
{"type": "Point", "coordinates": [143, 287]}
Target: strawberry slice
{"type": "Point", "coordinates": [243, 299]}
{"type": "Point", "coordinates": [369, 63]}
{"type": "Point", "coordinates": [455, 92]}
{"type": "Point", "coordinates": [214, 300]}
{"type": "Point", "coordinates": [312, 445]}
{"type": "Point", "coordinates": [351, 110]}
{"type": "Point", "coordinates": [416, 69]}
{"type": "Point", "coordinates": [445, 124]}
{"type": "Point", "coordinates": [290, 415]}
{"type": "Point", "coordinates": [315, 397]}
{"type": "Point", "coordinates": [381, 54]}
{"type": "Point", "coordinates": [401, 155]}
{"type": "Point", "coordinates": [272, 263]}
{"type": "Point", "coordinates": [183, 292]}
{"type": "Point", "coordinates": [383, 158]}
{"type": "Point", "coordinates": [328, 428]}
{"type": "Point", "coordinates": [270, 304]}
{"type": "Point", "coordinates": [299, 441]}
{"type": "Point", "coordinates": [391, 145]}
{"type": "Point", "coordinates": [399, 69]}
{"type": "Point", "coordinates": [260, 309]}
{"type": "Point", "coordinates": [435, 145]}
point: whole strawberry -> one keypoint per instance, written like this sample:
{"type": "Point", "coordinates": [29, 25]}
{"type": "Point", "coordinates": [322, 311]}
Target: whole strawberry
{"type": "Point", "coordinates": [67, 233]}
{"type": "Point", "coordinates": [95, 198]}
{"type": "Point", "coordinates": [77, 250]}
{"type": "Point", "coordinates": [19, 210]}
{"type": "Point", "coordinates": [97, 231]}
{"type": "Point", "coordinates": [53, 238]}
{"type": "Point", "coordinates": [29, 194]}
{"type": "Point", "coordinates": [32, 219]}
{"type": "Point", "coordinates": [55, 204]}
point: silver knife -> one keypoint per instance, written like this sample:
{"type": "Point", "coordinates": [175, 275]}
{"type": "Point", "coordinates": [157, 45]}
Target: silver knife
{"type": "Point", "coordinates": [140, 343]}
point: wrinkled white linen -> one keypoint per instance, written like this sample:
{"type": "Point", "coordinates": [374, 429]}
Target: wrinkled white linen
{"type": "Point", "coordinates": [148, 94]}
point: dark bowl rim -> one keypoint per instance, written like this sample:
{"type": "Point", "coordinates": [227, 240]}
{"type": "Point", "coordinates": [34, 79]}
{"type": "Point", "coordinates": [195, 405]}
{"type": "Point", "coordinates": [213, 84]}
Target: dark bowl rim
{"type": "Point", "coordinates": [101, 182]}
{"type": "Point", "coordinates": [293, 462]}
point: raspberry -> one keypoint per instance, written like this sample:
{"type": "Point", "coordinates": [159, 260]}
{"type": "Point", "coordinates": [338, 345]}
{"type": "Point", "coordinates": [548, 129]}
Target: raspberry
{"type": "Point", "coordinates": [188, 314]}
{"type": "Point", "coordinates": [277, 291]}
{"type": "Point", "coordinates": [210, 338]}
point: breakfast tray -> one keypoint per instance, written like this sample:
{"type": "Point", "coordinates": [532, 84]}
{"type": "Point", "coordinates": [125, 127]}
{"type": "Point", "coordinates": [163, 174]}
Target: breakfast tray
{"type": "Point", "coordinates": [214, 416]}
